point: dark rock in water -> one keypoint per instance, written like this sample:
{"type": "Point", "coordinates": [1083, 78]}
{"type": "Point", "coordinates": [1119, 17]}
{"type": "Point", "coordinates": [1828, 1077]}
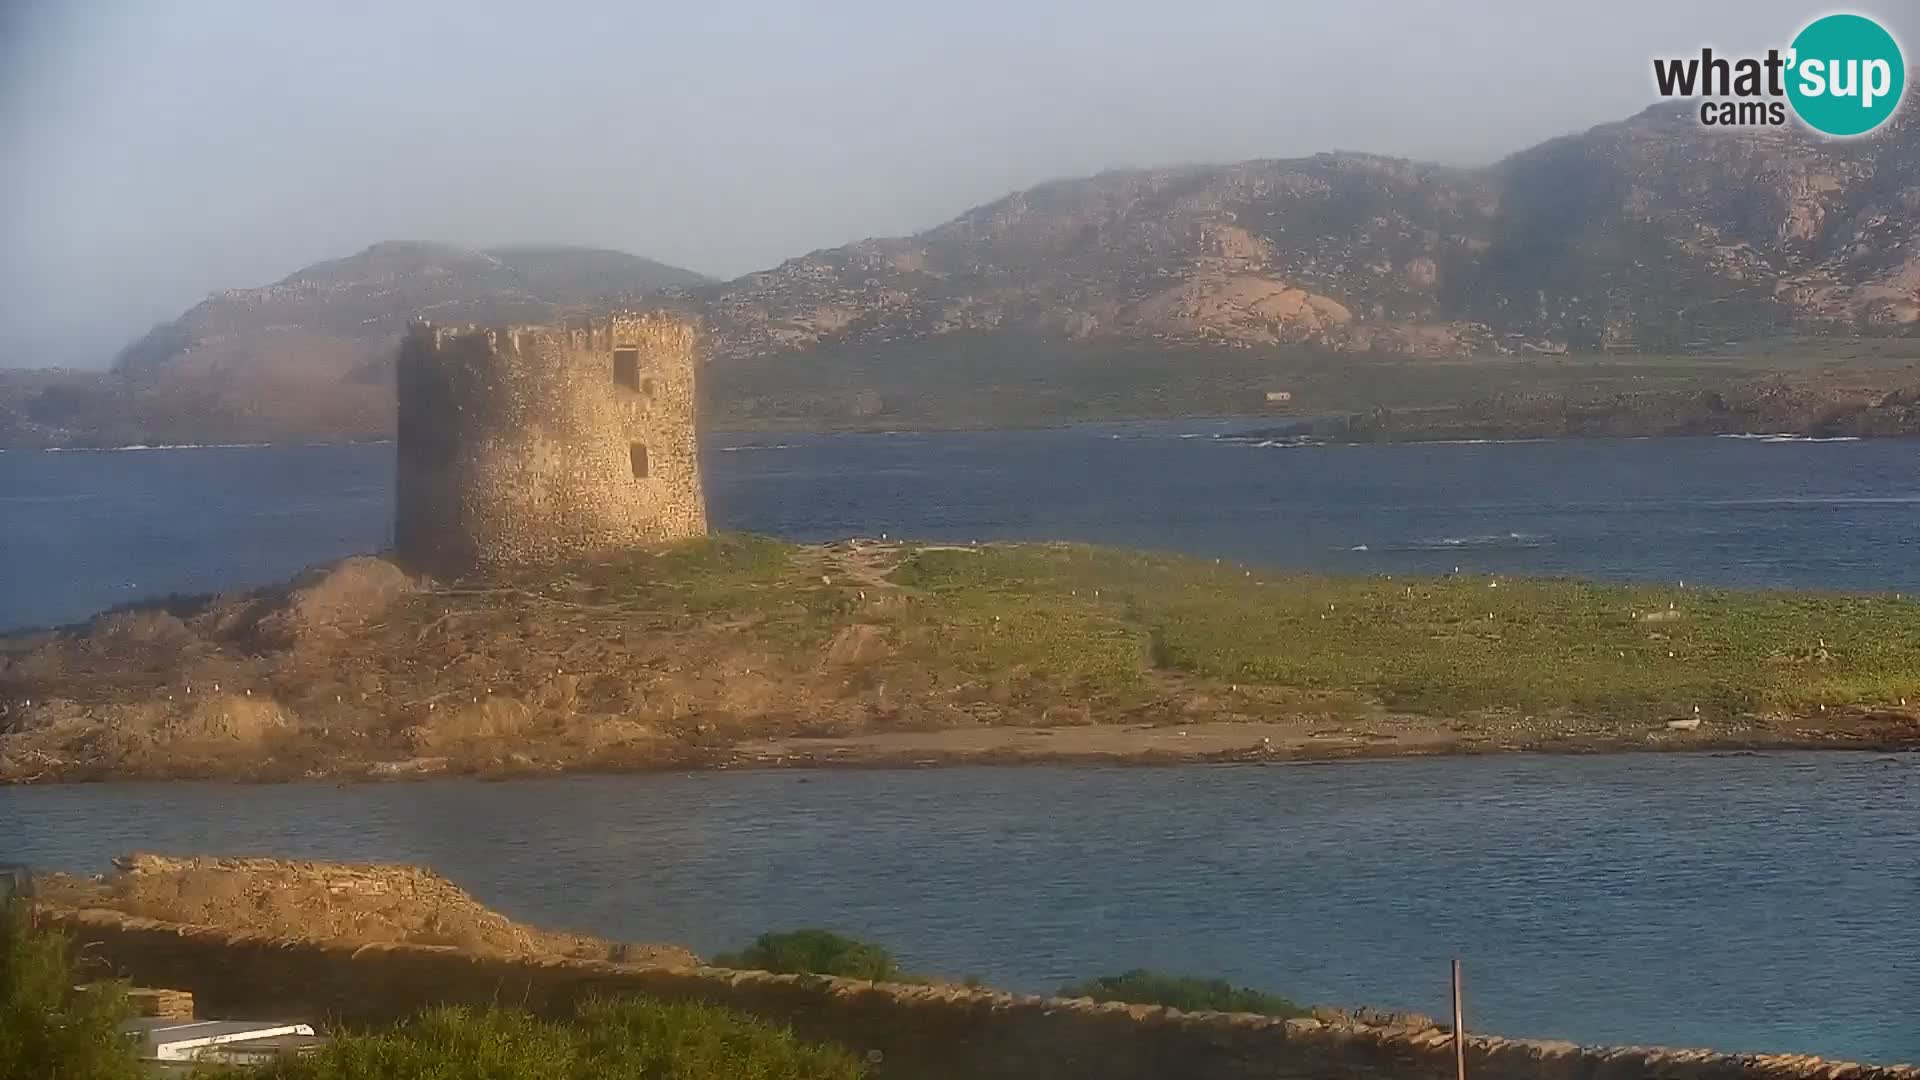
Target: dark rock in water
{"type": "Point", "coordinates": [1393, 1019]}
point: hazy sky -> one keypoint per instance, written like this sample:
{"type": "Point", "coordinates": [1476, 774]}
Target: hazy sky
{"type": "Point", "coordinates": [151, 152]}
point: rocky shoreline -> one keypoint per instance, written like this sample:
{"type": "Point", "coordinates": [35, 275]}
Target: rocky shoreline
{"type": "Point", "coordinates": [1769, 408]}
{"type": "Point", "coordinates": [1207, 742]}
{"type": "Point", "coordinates": [149, 415]}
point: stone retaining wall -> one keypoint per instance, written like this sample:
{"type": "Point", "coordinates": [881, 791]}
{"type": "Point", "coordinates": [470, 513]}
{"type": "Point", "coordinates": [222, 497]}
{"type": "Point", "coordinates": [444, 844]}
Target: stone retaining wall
{"type": "Point", "coordinates": [923, 1033]}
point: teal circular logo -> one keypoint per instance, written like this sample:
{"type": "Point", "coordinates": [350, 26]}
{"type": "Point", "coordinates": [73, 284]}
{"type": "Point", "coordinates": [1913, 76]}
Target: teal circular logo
{"type": "Point", "coordinates": [1847, 75]}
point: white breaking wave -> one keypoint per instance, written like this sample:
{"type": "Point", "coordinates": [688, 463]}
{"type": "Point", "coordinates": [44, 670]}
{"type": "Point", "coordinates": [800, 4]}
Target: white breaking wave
{"type": "Point", "coordinates": [1456, 543]}
{"type": "Point", "coordinates": [1819, 500]}
{"type": "Point", "coordinates": [1264, 444]}
{"type": "Point", "coordinates": [153, 446]}
{"type": "Point", "coordinates": [1471, 442]}
{"type": "Point", "coordinates": [1787, 436]}
{"type": "Point", "coordinates": [1512, 539]}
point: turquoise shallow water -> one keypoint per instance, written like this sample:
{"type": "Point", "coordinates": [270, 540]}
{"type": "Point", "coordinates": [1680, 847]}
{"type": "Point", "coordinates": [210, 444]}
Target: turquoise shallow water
{"type": "Point", "coordinates": [1746, 903]}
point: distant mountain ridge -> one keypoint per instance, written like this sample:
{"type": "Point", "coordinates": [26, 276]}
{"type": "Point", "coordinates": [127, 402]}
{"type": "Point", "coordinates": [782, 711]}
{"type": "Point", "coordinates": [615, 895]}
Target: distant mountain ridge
{"type": "Point", "coordinates": [334, 318]}
{"type": "Point", "coordinates": [1654, 233]}
{"type": "Point", "coordinates": [1127, 293]}
{"type": "Point", "coordinates": [1651, 234]}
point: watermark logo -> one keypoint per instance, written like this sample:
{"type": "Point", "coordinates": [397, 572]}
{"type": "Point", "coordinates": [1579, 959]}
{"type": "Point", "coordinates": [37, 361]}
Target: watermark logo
{"type": "Point", "coordinates": [1842, 75]}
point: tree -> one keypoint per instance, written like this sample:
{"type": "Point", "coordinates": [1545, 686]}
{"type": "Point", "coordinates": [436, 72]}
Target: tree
{"type": "Point", "coordinates": [49, 1030]}
{"type": "Point", "coordinates": [814, 952]}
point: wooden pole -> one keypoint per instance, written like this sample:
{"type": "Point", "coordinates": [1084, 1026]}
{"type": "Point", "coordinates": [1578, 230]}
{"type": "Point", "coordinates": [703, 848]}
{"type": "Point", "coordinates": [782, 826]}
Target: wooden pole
{"type": "Point", "coordinates": [1459, 1028]}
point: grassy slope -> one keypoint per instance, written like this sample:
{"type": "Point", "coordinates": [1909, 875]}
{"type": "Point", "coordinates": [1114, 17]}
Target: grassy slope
{"type": "Point", "coordinates": [689, 656]}
{"type": "Point", "coordinates": [608, 1039]}
{"type": "Point", "coordinates": [1108, 619]}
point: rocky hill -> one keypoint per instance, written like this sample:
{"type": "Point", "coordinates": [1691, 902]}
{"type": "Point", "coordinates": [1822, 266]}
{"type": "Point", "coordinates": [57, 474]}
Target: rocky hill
{"type": "Point", "coordinates": [1650, 235]}
{"type": "Point", "coordinates": [308, 358]}
{"type": "Point", "coordinates": [338, 318]}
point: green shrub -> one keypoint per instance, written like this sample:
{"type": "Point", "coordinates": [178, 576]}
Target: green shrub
{"type": "Point", "coordinates": [1184, 992]}
{"type": "Point", "coordinates": [626, 1039]}
{"type": "Point", "coordinates": [814, 952]}
{"type": "Point", "coordinates": [47, 1029]}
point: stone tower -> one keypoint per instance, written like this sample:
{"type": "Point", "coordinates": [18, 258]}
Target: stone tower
{"type": "Point", "coordinates": [531, 444]}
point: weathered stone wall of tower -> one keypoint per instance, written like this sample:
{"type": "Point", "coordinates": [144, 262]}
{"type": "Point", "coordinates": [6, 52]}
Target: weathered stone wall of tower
{"type": "Point", "coordinates": [521, 445]}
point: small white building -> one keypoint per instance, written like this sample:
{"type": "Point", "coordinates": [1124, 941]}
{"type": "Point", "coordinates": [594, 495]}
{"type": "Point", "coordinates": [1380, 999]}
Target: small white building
{"type": "Point", "coordinates": [1279, 397]}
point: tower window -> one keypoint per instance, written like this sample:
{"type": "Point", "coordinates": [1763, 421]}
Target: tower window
{"type": "Point", "coordinates": [637, 453]}
{"type": "Point", "coordinates": [626, 368]}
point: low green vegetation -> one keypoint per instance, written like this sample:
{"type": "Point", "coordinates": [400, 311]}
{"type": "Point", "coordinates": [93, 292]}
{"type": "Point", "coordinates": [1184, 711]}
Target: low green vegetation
{"type": "Point", "coordinates": [1185, 992]}
{"type": "Point", "coordinates": [976, 379]}
{"type": "Point", "coordinates": [726, 577]}
{"type": "Point", "coordinates": [1109, 620]}
{"type": "Point", "coordinates": [822, 952]}
{"type": "Point", "coordinates": [625, 1039]}
{"type": "Point", "coordinates": [814, 952]}
{"type": "Point", "coordinates": [1108, 628]}
{"type": "Point", "coordinates": [739, 646]}
{"type": "Point", "coordinates": [48, 1028]}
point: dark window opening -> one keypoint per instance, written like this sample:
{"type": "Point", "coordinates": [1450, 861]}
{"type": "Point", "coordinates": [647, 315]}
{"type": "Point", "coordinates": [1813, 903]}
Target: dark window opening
{"type": "Point", "coordinates": [638, 454]}
{"type": "Point", "coordinates": [626, 368]}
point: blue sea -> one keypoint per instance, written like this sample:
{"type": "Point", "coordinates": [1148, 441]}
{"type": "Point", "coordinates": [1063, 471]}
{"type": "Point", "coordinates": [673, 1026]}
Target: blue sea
{"type": "Point", "coordinates": [1749, 903]}
{"type": "Point", "coordinates": [85, 530]}
{"type": "Point", "coordinates": [1744, 903]}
